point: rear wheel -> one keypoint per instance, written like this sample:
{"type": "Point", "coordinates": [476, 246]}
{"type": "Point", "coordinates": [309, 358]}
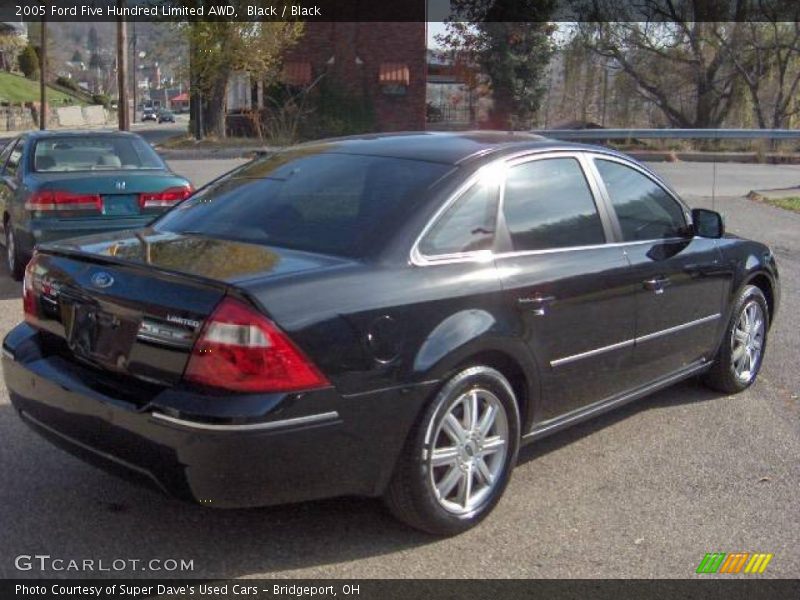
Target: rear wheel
{"type": "Point", "coordinates": [741, 353]}
{"type": "Point", "coordinates": [14, 260]}
{"type": "Point", "coordinates": [458, 459]}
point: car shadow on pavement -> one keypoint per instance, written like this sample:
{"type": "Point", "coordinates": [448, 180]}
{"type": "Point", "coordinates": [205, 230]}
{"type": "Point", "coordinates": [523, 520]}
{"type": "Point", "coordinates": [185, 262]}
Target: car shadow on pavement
{"type": "Point", "coordinates": [686, 392]}
{"type": "Point", "coordinates": [51, 503]}
{"type": "Point", "coordinates": [9, 289]}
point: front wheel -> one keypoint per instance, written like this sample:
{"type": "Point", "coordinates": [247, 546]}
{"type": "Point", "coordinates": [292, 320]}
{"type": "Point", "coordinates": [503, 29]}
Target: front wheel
{"type": "Point", "coordinates": [741, 352]}
{"type": "Point", "coordinates": [458, 458]}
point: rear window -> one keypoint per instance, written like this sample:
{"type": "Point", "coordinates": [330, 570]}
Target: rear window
{"type": "Point", "coordinates": [94, 153]}
{"type": "Point", "coordinates": [330, 203]}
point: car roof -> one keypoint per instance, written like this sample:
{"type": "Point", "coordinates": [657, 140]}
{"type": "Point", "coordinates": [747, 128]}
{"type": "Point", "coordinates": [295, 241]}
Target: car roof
{"type": "Point", "coordinates": [444, 147]}
{"type": "Point", "coordinates": [36, 135]}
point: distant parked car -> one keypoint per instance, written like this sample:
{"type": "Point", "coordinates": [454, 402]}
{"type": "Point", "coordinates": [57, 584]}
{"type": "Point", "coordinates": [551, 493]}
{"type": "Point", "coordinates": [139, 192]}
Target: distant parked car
{"type": "Point", "coordinates": [148, 114]}
{"type": "Point", "coordinates": [166, 116]}
{"type": "Point", "coordinates": [55, 185]}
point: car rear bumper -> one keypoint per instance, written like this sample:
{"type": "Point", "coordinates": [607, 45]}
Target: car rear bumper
{"type": "Point", "coordinates": [52, 230]}
{"type": "Point", "coordinates": [245, 451]}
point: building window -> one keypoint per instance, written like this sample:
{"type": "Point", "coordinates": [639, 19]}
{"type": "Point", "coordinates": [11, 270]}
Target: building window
{"type": "Point", "coordinates": [296, 73]}
{"type": "Point", "coordinates": [394, 78]}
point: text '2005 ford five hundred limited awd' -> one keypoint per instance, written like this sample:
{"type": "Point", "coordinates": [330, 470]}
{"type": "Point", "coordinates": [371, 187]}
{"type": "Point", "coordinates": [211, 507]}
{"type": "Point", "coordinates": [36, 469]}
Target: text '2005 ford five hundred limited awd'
{"type": "Point", "coordinates": [390, 315]}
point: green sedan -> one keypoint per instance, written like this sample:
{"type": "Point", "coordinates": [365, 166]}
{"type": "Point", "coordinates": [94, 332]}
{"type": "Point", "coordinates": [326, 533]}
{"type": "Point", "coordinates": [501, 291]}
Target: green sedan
{"type": "Point", "coordinates": [55, 185]}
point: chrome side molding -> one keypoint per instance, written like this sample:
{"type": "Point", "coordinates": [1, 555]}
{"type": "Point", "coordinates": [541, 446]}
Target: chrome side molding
{"type": "Point", "coordinates": [637, 340]}
{"type": "Point", "coordinates": [265, 426]}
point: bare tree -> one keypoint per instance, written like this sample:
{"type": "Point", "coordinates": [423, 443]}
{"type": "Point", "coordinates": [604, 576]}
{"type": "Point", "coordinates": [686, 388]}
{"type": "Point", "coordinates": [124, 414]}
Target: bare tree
{"type": "Point", "coordinates": [671, 51]}
{"type": "Point", "coordinates": [766, 55]}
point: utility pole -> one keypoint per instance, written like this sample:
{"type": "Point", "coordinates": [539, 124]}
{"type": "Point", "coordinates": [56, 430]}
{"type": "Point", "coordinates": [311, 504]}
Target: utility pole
{"type": "Point", "coordinates": [43, 76]}
{"type": "Point", "coordinates": [135, 77]}
{"type": "Point", "coordinates": [122, 71]}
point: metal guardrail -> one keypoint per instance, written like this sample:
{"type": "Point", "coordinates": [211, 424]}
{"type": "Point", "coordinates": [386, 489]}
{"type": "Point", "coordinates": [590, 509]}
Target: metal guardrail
{"type": "Point", "coordinates": [668, 134]}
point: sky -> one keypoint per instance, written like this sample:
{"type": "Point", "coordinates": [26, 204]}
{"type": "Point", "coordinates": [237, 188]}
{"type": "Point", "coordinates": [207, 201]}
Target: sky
{"type": "Point", "coordinates": [434, 28]}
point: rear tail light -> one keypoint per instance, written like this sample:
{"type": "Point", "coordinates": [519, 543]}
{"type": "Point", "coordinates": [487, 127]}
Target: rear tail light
{"type": "Point", "coordinates": [166, 198]}
{"type": "Point", "coordinates": [58, 200]}
{"type": "Point", "coordinates": [30, 300]}
{"type": "Point", "coordinates": [240, 349]}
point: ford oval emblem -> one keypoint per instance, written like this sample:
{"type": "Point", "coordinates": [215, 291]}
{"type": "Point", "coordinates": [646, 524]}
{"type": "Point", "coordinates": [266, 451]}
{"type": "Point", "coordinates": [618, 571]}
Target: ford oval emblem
{"type": "Point", "coordinates": [102, 279]}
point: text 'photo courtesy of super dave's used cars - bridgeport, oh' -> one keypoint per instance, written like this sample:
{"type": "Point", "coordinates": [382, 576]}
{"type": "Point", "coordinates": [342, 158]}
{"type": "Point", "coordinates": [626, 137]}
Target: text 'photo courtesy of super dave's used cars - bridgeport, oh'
{"type": "Point", "coordinates": [387, 315]}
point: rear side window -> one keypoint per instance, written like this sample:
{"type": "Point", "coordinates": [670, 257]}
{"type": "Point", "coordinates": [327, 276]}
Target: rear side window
{"type": "Point", "coordinates": [94, 153]}
{"type": "Point", "coordinates": [467, 226]}
{"type": "Point", "coordinates": [644, 209]}
{"type": "Point", "coordinates": [548, 204]}
{"type": "Point", "coordinates": [330, 203]}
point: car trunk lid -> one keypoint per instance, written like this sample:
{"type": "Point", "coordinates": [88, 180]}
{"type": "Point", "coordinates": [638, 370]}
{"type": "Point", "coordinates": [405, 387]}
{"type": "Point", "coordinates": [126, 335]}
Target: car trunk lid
{"type": "Point", "coordinates": [136, 304]}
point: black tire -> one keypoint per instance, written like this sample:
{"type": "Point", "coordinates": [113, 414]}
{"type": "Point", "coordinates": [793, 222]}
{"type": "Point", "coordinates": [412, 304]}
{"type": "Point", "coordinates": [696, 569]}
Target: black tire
{"type": "Point", "coordinates": [723, 375]}
{"type": "Point", "coordinates": [411, 496]}
{"type": "Point", "coordinates": [14, 260]}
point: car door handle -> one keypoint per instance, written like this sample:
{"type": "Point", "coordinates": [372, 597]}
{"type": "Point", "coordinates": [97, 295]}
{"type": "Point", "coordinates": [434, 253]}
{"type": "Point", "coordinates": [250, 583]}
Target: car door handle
{"type": "Point", "coordinates": [657, 284]}
{"type": "Point", "coordinates": [537, 303]}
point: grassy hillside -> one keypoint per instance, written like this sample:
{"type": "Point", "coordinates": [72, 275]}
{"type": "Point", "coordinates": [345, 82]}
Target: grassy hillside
{"type": "Point", "coordinates": [16, 89]}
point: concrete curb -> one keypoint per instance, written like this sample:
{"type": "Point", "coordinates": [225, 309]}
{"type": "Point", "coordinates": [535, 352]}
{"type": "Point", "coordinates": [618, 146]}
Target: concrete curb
{"type": "Point", "coordinates": [718, 157]}
{"type": "Point", "coordinates": [213, 153]}
{"type": "Point", "coordinates": [765, 195]}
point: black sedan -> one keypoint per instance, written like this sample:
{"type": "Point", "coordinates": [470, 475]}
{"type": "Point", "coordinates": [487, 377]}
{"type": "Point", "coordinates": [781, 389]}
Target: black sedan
{"type": "Point", "coordinates": [390, 316]}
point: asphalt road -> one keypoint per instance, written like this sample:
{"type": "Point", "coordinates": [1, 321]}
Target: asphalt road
{"type": "Point", "coordinates": [643, 492]}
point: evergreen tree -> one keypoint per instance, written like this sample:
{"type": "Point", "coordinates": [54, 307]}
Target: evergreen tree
{"type": "Point", "coordinates": [510, 41]}
{"type": "Point", "coordinates": [29, 62]}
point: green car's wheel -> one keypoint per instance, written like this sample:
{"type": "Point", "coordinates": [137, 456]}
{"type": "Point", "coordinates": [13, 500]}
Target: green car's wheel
{"type": "Point", "coordinates": [16, 264]}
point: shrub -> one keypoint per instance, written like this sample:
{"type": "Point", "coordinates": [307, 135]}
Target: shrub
{"type": "Point", "coordinates": [29, 62]}
{"type": "Point", "coordinates": [66, 82]}
{"type": "Point", "coordinates": [101, 99]}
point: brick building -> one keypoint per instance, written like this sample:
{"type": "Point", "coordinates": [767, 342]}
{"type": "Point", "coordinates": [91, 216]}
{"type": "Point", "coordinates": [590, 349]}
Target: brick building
{"type": "Point", "coordinates": [384, 63]}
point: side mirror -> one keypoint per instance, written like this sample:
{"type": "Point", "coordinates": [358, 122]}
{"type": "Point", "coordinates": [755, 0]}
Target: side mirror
{"type": "Point", "coordinates": [707, 223]}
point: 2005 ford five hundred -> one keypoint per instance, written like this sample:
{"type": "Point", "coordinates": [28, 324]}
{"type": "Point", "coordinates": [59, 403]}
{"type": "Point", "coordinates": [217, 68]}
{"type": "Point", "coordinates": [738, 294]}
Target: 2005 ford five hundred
{"type": "Point", "coordinates": [391, 315]}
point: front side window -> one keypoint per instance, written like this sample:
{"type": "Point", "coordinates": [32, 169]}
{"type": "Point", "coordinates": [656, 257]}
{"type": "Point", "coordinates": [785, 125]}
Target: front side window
{"type": "Point", "coordinates": [548, 204]}
{"type": "Point", "coordinates": [467, 226]}
{"type": "Point", "coordinates": [644, 209]}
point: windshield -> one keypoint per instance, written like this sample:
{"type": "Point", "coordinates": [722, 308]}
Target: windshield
{"type": "Point", "coordinates": [94, 153]}
{"type": "Point", "coordinates": [329, 203]}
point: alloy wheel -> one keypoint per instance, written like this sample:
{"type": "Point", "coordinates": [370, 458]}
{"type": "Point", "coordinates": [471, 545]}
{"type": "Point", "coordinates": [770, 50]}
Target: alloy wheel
{"type": "Point", "coordinates": [747, 341]}
{"type": "Point", "coordinates": [469, 450]}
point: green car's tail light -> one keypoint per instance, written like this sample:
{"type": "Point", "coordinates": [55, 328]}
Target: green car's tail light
{"type": "Point", "coordinates": [240, 349]}
{"type": "Point", "coordinates": [166, 198]}
{"type": "Point", "coordinates": [58, 200]}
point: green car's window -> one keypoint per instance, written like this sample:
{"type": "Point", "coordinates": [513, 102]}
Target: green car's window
{"type": "Point", "coordinates": [94, 153]}
{"type": "Point", "coordinates": [5, 154]}
{"type": "Point", "coordinates": [12, 166]}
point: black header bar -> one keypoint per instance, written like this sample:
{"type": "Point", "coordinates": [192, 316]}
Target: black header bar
{"type": "Point", "coordinates": [400, 10]}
